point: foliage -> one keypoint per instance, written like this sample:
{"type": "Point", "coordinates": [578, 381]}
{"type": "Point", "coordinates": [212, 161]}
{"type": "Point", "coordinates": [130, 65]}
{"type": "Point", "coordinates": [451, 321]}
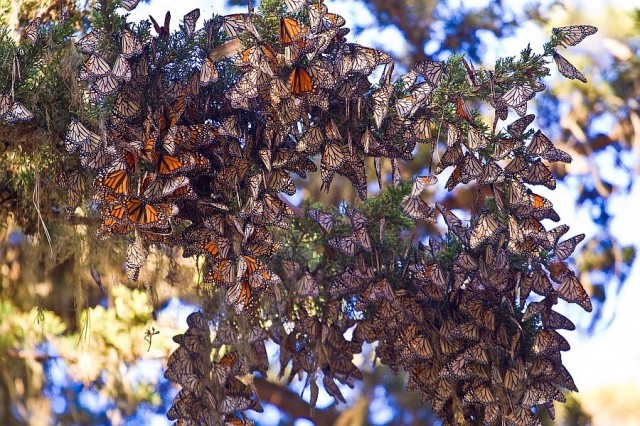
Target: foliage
{"type": "Point", "coordinates": [102, 357]}
{"type": "Point", "coordinates": [190, 137]}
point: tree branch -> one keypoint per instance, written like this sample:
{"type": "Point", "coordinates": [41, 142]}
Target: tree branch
{"type": "Point", "coordinates": [291, 403]}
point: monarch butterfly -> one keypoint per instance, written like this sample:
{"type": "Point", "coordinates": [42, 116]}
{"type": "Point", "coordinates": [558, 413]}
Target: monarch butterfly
{"type": "Point", "coordinates": [471, 168]}
{"type": "Point", "coordinates": [548, 341]}
{"type": "Point", "coordinates": [300, 81]}
{"type": "Point", "coordinates": [518, 96]}
{"type": "Point", "coordinates": [455, 178]}
{"type": "Point", "coordinates": [209, 73]}
{"type": "Point", "coordinates": [451, 157]}
{"type": "Point", "coordinates": [354, 58]}
{"type": "Point", "coordinates": [465, 262]}
{"type": "Point", "coordinates": [130, 45]}
{"type": "Point", "coordinates": [279, 180]}
{"type": "Point", "coordinates": [177, 187]}
{"type": "Point", "coordinates": [88, 43]}
{"type": "Point", "coordinates": [32, 30]}
{"type": "Point", "coordinates": [521, 416]}
{"type": "Point", "coordinates": [476, 139]}
{"type": "Point", "coordinates": [516, 166]}
{"type": "Point", "coordinates": [541, 146]}
{"type": "Point", "coordinates": [74, 184]}
{"type": "Point", "coordinates": [291, 30]}
{"type": "Point", "coordinates": [421, 183]}
{"type": "Point", "coordinates": [115, 178]}
{"type": "Point", "coordinates": [540, 282]}
{"type": "Point", "coordinates": [332, 21]}
{"type": "Point", "coordinates": [168, 164]}
{"type": "Point", "coordinates": [239, 295]}
{"type": "Point", "coordinates": [234, 24]}
{"type": "Point", "coordinates": [179, 363]}
{"type": "Point", "coordinates": [492, 173]}
{"type": "Point", "coordinates": [78, 135]}
{"type": "Point", "coordinates": [163, 31]}
{"type": "Point", "coordinates": [566, 68]}
{"type": "Point", "coordinates": [479, 394]}
{"type": "Point", "coordinates": [574, 34]}
{"type": "Point", "coordinates": [554, 320]}
{"type": "Point", "coordinates": [235, 421]}
{"type": "Point", "coordinates": [5, 104]}
{"type": "Point", "coordinates": [96, 67]}
{"type": "Point", "coordinates": [421, 129]}
{"type": "Point", "coordinates": [142, 213]}
{"type": "Point", "coordinates": [564, 249]}
{"type": "Point", "coordinates": [105, 85]}
{"type": "Point", "coordinates": [462, 109]}
{"type": "Point", "coordinates": [325, 220]}
{"type": "Point", "coordinates": [380, 103]}
{"type": "Point", "coordinates": [416, 208]}
{"type": "Point", "coordinates": [467, 331]}
{"type": "Point", "coordinates": [431, 71]}
{"type": "Point", "coordinates": [295, 6]}
{"type": "Point", "coordinates": [333, 156]}
{"type": "Point", "coordinates": [121, 69]}
{"type": "Point", "coordinates": [307, 286]}
{"type": "Point", "coordinates": [539, 174]}
{"type": "Point", "coordinates": [190, 20]}
{"type": "Point", "coordinates": [136, 255]}
{"type": "Point", "coordinates": [518, 195]}
{"type": "Point", "coordinates": [17, 113]}
{"type": "Point", "coordinates": [517, 128]}
{"type": "Point", "coordinates": [486, 228]}
{"type": "Point", "coordinates": [504, 147]}
{"type": "Point", "coordinates": [346, 245]}
{"type": "Point", "coordinates": [572, 291]}
{"type": "Point", "coordinates": [129, 5]}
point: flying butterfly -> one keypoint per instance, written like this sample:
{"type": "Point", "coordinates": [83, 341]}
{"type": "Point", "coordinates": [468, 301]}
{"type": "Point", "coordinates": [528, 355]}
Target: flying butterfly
{"type": "Point", "coordinates": [566, 68]}
{"type": "Point", "coordinates": [574, 34]}
{"type": "Point", "coordinates": [129, 5]}
{"type": "Point", "coordinates": [163, 31]}
{"type": "Point", "coordinates": [190, 20]}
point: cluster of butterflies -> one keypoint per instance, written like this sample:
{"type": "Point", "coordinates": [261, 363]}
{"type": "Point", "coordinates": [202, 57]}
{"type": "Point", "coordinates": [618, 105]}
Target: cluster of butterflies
{"type": "Point", "coordinates": [465, 329]}
{"type": "Point", "coordinates": [196, 152]}
{"type": "Point", "coordinates": [212, 391]}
